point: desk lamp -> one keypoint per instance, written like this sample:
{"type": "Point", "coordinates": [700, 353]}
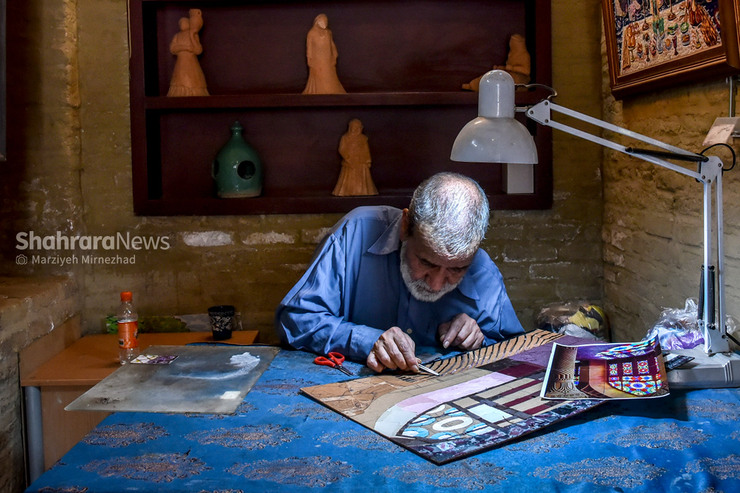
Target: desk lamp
{"type": "Point", "coordinates": [495, 136]}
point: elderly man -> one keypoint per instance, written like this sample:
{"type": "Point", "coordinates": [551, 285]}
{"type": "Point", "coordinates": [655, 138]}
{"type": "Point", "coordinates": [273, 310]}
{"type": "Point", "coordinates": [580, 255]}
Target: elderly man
{"type": "Point", "coordinates": [386, 280]}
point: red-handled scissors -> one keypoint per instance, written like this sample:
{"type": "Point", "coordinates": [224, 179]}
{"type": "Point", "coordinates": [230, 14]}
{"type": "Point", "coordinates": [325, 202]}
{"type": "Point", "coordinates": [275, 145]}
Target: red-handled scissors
{"type": "Point", "coordinates": [334, 360]}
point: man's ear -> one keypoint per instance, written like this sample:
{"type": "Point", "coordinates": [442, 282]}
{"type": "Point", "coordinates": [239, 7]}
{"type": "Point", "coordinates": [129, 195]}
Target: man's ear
{"type": "Point", "coordinates": [404, 225]}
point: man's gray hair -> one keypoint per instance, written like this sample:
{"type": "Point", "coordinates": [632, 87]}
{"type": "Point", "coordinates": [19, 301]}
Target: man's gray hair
{"type": "Point", "coordinates": [450, 212]}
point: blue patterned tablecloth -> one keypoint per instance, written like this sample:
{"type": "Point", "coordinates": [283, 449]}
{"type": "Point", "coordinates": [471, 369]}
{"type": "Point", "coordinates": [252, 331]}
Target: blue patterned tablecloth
{"type": "Point", "coordinates": [281, 440]}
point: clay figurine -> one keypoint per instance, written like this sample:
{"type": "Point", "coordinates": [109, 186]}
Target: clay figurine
{"type": "Point", "coordinates": [518, 63]}
{"type": "Point", "coordinates": [321, 57]}
{"type": "Point", "coordinates": [354, 177]}
{"type": "Point", "coordinates": [187, 77]}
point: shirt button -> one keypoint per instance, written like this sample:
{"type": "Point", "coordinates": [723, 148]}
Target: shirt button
{"type": "Point", "coordinates": [409, 331]}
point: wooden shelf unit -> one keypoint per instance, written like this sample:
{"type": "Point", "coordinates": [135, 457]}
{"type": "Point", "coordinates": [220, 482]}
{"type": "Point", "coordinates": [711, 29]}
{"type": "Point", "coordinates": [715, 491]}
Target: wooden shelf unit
{"type": "Point", "coordinates": [401, 62]}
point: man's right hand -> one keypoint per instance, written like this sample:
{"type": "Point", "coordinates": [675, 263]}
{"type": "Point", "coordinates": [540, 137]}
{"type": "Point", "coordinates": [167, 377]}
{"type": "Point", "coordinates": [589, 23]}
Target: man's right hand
{"type": "Point", "coordinates": [394, 350]}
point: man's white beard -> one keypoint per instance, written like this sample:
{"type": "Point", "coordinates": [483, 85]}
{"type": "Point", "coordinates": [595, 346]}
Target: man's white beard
{"type": "Point", "coordinates": [419, 288]}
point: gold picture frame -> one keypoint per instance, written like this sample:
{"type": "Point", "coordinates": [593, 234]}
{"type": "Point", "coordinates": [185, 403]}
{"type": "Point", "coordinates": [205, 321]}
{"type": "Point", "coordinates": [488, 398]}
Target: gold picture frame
{"type": "Point", "coordinates": [652, 44]}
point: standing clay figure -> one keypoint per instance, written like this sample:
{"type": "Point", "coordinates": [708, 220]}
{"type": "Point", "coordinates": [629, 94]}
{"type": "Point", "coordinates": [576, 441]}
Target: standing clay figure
{"type": "Point", "coordinates": [187, 77]}
{"type": "Point", "coordinates": [354, 178]}
{"type": "Point", "coordinates": [321, 57]}
{"type": "Point", "coordinates": [518, 63]}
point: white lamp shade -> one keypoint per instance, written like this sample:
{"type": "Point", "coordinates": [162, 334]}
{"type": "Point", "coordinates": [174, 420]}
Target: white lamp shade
{"type": "Point", "coordinates": [495, 136]}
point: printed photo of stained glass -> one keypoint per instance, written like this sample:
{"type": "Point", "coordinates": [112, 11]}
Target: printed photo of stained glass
{"type": "Point", "coordinates": [606, 371]}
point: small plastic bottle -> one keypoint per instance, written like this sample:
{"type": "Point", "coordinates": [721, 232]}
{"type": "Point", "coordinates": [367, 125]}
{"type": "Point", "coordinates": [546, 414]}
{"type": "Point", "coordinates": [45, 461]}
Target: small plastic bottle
{"type": "Point", "coordinates": [128, 329]}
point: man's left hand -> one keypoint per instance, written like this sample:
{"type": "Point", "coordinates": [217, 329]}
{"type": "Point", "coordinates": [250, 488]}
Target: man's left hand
{"type": "Point", "coordinates": [461, 332]}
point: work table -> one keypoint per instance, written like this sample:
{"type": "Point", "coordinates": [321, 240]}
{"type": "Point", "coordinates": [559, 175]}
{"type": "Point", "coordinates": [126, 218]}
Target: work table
{"type": "Point", "coordinates": [92, 358]}
{"type": "Point", "coordinates": [51, 431]}
{"type": "Point", "coordinates": [280, 440]}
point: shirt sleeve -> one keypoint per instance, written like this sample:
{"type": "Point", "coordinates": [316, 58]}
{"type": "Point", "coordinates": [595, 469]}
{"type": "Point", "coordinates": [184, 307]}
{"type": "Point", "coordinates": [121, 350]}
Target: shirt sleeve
{"type": "Point", "coordinates": [497, 319]}
{"type": "Point", "coordinates": [310, 317]}
{"type": "Point", "coordinates": [508, 323]}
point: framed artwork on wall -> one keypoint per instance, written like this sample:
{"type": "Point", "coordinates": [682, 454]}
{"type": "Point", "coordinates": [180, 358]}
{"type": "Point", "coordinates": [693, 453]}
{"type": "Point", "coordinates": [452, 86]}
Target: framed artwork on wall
{"type": "Point", "coordinates": [652, 44]}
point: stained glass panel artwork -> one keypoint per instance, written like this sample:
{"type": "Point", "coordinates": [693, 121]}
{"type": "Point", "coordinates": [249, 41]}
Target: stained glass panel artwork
{"type": "Point", "coordinates": [480, 401]}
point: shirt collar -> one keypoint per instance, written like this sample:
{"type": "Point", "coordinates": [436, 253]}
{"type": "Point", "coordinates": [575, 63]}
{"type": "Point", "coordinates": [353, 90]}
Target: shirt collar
{"type": "Point", "coordinates": [390, 240]}
{"type": "Point", "coordinates": [467, 285]}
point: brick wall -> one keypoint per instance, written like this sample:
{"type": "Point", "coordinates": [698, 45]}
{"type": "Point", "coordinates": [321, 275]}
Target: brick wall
{"type": "Point", "coordinates": [29, 309]}
{"type": "Point", "coordinates": [653, 217]}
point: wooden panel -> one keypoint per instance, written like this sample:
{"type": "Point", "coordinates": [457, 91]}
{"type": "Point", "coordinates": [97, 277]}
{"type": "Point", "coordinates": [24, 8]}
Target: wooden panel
{"type": "Point", "coordinates": [402, 63]}
{"type": "Point", "coordinates": [63, 429]}
{"type": "Point", "coordinates": [383, 45]}
{"type": "Point", "coordinates": [3, 84]}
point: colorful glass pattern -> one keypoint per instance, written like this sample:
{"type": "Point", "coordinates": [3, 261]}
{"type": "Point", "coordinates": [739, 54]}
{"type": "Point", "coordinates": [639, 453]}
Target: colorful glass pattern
{"type": "Point", "coordinates": [629, 350]}
{"type": "Point", "coordinates": [647, 381]}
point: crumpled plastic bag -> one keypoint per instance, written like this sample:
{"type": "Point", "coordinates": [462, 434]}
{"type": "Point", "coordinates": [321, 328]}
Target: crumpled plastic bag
{"type": "Point", "coordinates": [678, 328]}
{"type": "Point", "coordinates": [732, 332]}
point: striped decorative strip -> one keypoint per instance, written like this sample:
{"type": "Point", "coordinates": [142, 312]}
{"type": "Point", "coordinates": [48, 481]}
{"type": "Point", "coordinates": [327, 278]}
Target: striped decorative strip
{"type": "Point", "coordinates": [494, 352]}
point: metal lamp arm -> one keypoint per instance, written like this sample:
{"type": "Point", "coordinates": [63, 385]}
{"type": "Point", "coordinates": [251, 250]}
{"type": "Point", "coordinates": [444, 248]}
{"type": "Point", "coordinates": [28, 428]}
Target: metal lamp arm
{"type": "Point", "coordinates": [541, 113]}
{"type": "Point", "coordinates": [710, 172]}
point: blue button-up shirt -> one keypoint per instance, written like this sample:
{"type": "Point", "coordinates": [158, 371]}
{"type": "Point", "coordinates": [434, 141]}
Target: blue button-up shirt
{"type": "Point", "coordinates": [353, 291]}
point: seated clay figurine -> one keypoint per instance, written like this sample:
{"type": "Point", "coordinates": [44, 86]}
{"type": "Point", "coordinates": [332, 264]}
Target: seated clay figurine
{"type": "Point", "coordinates": [321, 57]}
{"type": "Point", "coordinates": [518, 63]}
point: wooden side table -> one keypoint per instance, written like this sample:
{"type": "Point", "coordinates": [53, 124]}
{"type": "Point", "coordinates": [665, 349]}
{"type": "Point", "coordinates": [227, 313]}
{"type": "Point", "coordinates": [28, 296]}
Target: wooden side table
{"type": "Point", "coordinates": [52, 431]}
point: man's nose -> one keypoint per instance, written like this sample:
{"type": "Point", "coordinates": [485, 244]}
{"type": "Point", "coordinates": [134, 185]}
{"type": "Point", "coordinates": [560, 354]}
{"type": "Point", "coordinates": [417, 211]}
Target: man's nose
{"type": "Point", "coordinates": [436, 279]}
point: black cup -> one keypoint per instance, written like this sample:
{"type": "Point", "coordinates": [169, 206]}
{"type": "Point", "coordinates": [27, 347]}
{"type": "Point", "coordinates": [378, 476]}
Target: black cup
{"type": "Point", "coordinates": [222, 321]}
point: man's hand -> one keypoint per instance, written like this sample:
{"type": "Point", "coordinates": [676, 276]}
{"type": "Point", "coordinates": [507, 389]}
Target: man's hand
{"type": "Point", "coordinates": [461, 332]}
{"type": "Point", "coordinates": [394, 349]}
